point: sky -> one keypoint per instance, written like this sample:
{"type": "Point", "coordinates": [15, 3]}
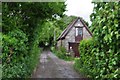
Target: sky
{"type": "Point", "coordinates": [80, 8]}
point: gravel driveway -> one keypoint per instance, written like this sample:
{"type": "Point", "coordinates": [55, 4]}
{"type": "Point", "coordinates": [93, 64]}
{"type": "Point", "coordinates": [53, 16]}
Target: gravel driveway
{"type": "Point", "coordinates": [51, 66]}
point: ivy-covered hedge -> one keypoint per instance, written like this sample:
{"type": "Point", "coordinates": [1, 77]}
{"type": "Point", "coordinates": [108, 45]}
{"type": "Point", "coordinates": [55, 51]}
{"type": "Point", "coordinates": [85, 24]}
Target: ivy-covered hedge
{"type": "Point", "coordinates": [100, 57]}
{"type": "Point", "coordinates": [86, 63]}
{"type": "Point", "coordinates": [95, 63]}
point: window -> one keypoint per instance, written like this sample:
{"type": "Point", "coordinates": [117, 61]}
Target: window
{"type": "Point", "coordinates": [79, 31]}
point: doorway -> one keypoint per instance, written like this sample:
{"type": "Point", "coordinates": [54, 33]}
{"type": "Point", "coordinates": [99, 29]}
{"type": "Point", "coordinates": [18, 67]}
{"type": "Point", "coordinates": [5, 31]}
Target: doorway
{"type": "Point", "coordinates": [74, 47]}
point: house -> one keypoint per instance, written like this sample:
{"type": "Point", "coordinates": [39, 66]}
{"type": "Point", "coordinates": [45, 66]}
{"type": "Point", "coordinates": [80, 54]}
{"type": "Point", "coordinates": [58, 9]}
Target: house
{"type": "Point", "coordinates": [73, 34]}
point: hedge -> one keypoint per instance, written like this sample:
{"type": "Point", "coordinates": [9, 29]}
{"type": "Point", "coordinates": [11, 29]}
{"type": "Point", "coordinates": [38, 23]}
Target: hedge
{"type": "Point", "coordinates": [96, 64]}
{"type": "Point", "coordinates": [102, 60]}
{"type": "Point", "coordinates": [16, 60]}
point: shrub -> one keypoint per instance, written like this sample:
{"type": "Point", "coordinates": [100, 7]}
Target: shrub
{"type": "Point", "coordinates": [13, 54]}
{"type": "Point", "coordinates": [86, 61]}
{"type": "Point", "coordinates": [95, 63]}
{"type": "Point", "coordinates": [61, 53]}
{"type": "Point", "coordinates": [103, 59]}
{"type": "Point", "coordinates": [14, 46]}
{"type": "Point", "coordinates": [16, 60]}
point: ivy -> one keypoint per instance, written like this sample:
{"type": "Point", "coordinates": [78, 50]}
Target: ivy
{"type": "Point", "coordinates": [100, 56]}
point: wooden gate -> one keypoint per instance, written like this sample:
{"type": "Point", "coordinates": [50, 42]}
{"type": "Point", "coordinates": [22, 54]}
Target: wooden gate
{"type": "Point", "coordinates": [74, 48]}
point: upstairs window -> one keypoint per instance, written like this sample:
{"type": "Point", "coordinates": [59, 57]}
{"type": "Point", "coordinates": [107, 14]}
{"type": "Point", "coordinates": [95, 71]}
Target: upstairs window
{"type": "Point", "coordinates": [79, 31]}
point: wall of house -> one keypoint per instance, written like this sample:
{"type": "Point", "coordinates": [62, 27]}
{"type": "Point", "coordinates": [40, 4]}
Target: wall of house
{"type": "Point", "coordinates": [58, 43]}
{"type": "Point", "coordinates": [70, 37]}
{"type": "Point", "coordinates": [86, 34]}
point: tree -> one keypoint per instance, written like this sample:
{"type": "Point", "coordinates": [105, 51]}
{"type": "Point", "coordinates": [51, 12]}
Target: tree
{"type": "Point", "coordinates": [22, 24]}
{"type": "Point", "coordinates": [66, 20]}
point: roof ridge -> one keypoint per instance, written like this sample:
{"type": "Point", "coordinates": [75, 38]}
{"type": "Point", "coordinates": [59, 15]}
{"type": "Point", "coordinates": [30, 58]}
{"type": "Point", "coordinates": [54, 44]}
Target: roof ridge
{"type": "Point", "coordinates": [86, 26]}
{"type": "Point", "coordinates": [67, 29]}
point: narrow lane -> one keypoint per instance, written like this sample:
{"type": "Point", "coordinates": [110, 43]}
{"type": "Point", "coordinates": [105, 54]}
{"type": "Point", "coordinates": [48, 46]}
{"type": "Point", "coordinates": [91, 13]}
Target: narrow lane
{"type": "Point", "coordinates": [51, 66]}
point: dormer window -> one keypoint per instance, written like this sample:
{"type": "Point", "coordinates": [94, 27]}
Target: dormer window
{"type": "Point", "coordinates": [79, 31]}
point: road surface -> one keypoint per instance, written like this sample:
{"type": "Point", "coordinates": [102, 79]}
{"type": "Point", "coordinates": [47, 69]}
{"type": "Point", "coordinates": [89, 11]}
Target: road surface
{"type": "Point", "coordinates": [51, 66]}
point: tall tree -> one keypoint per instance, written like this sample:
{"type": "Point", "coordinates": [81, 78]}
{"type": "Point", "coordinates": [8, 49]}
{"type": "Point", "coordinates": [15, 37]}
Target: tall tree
{"type": "Point", "coordinates": [21, 24]}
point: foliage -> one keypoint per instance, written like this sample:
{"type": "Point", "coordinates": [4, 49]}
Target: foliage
{"type": "Point", "coordinates": [87, 57]}
{"type": "Point", "coordinates": [15, 59]}
{"type": "Point", "coordinates": [49, 33]}
{"type": "Point", "coordinates": [66, 20]}
{"type": "Point", "coordinates": [14, 46]}
{"type": "Point", "coordinates": [62, 53]}
{"type": "Point", "coordinates": [22, 24]}
{"type": "Point", "coordinates": [0, 71]}
{"type": "Point", "coordinates": [14, 51]}
{"type": "Point", "coordinates": [108, 32]}
{"type": "Point", "coordinates": [102, 59]}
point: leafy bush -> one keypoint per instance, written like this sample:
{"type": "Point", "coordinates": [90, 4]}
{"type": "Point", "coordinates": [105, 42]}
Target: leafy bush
{"type": "Point", "coordinates": [15, 59]}
{"type": "Point", "coordinates": [14, 51]}
{"type": "Point", "coordinates": [61, 53]}
{"type": "Point", "coordinates": [95, 63]}
{"type": "Point", "coordinates": [102, 59]}
{"type": "Point", "coordinates": [86, 61]}
{"type": "Point", "coordinates": [21, 23]}
{"type": "Point", "coordinates": [14, 46]}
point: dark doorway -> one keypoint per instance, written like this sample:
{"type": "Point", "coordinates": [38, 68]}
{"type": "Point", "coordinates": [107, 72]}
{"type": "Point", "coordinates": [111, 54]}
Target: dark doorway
{"type": "Point", "coordinates": [74, 48]}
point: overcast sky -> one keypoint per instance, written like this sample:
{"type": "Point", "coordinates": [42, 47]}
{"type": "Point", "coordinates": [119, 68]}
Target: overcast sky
{"type": "Point", "coordinates": [81, 8]}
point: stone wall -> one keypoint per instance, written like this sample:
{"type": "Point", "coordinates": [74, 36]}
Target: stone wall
{"type": "Point", "coordinates": [86, 34]}
{"type": "Point", "coordinates": [70, 37]}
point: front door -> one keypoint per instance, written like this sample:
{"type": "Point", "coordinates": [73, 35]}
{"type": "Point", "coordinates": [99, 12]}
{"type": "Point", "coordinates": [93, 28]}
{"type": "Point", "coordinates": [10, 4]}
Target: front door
{"type": "Point", "coordinates": [74, 48]}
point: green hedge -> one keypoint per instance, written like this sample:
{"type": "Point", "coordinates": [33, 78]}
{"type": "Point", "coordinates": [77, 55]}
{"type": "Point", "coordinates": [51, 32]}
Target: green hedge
{"type": "Point", "coordinates": [96, 64]}
{"type": "Point", "coordinates": [102, 60]}
{"type": "Point", "coordinates": [17, 62]}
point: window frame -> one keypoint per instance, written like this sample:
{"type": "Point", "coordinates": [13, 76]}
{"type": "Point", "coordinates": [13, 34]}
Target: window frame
{"type": "Point", "coordinates": [77, 28]}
